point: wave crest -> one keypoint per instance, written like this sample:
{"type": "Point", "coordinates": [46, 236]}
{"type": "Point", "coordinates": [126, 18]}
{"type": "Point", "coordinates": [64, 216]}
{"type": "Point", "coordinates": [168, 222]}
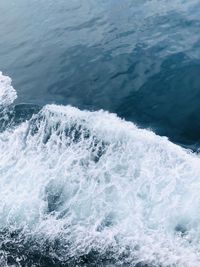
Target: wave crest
{"type": "Point", "coordinates": [7, 92]}
{"type": "Point", "coordinates": [88, 183]}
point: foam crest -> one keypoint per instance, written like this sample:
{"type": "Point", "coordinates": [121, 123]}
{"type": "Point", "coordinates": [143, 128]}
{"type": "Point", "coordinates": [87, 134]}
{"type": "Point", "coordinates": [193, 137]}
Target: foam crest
{"type": "Point", "coordinates": [7, 92]}
{"type": "Point", "coordinates": [80, 183]}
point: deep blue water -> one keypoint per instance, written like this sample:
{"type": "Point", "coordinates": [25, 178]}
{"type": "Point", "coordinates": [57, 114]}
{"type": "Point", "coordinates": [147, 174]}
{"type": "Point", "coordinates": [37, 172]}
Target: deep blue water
{"type": "Point", "coordinates": [139, 59]}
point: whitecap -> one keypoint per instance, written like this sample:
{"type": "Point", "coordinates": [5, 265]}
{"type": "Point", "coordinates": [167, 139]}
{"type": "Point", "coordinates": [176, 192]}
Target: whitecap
{"type": "Point", "coordinates": [7, 92]}
{"type": "Point", "coordinates": [98, 183]}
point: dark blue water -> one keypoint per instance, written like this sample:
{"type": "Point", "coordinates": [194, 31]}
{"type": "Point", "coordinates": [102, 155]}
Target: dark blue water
{"type": "Point", "coordinates": [139, 59]}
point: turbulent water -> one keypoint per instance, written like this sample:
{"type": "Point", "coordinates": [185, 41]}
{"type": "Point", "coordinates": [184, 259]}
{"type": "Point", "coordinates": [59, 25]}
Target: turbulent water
{"type": "Point", "coordinates": [87, 176]}
{"type": "Point", "coordinates": [87, 188]}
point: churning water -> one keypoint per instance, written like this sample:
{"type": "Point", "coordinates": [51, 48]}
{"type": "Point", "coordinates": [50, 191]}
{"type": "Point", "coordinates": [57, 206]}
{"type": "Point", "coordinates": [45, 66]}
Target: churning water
{"type": "Point", "coordinates": [82, 186]}
{"type": "Point", "coordinates": [79, 186]}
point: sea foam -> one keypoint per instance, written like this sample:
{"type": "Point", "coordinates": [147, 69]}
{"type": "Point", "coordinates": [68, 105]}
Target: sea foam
{"type": "Point", "coordinates": [7, 92]}
{"type": "Point", "coordinates": [89, 183]}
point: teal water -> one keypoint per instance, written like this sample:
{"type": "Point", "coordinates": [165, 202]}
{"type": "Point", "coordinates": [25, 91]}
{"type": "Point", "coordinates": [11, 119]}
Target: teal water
{"type": "Point", "coordinates": [139, 59]}
{"type": "Point", "coordinates": [79, 185]}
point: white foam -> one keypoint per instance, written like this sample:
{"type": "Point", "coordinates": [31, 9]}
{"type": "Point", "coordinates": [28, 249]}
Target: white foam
{"type": "Point", "coordinates": [97, 182]}
{"type": "Point", "coordinates": [7, 92]}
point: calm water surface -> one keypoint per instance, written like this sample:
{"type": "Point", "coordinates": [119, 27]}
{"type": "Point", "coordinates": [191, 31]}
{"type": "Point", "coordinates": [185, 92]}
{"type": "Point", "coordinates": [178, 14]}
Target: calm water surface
{"type": "Point", "coordinates": [139, 59]}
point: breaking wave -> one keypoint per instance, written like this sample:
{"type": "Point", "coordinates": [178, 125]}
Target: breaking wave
{"type": "Point", "coordinates": [82, 188]}
{"type": "Point", "coordinates": [7, 92]}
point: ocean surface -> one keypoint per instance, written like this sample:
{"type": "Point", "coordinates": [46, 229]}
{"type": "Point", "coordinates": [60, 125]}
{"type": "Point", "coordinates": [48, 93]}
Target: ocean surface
{"type": "Point", "coordinates": [100, 133]}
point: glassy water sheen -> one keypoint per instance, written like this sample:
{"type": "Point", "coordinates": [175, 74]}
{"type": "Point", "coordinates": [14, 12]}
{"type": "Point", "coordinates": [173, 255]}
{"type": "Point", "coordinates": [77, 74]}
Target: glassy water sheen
{"type": "Point", "coordinates": [83, 179]}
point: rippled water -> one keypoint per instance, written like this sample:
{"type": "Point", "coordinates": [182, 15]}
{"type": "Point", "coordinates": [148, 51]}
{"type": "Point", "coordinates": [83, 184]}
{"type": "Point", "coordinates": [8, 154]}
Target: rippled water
{"type": "Point", "coordinates": [139, 59]}
{"type": "Point", "coordinates": [82, 187]}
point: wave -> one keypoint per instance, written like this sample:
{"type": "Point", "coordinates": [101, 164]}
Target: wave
{"type": "Point", "coordinates": [80, 187]}
{"type": "Point", "coordinates": [7, 92]}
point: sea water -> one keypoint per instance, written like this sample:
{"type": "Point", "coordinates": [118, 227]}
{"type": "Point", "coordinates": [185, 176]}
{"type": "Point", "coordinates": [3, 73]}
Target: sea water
{"type": "Point", "coordinates": [89, 175]}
